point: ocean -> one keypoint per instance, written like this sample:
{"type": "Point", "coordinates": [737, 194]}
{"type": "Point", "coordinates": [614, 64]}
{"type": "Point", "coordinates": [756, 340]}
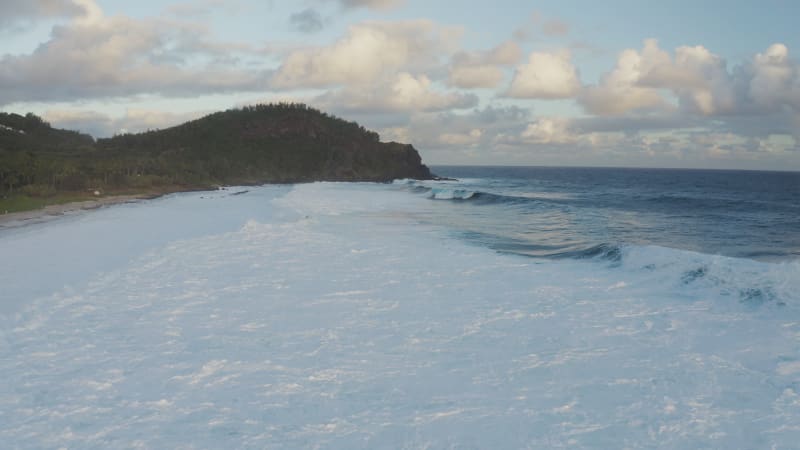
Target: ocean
{"type": "Point", "coordinates": [585, 212]}
{"type": "Point", "coordinates": [505, 307]}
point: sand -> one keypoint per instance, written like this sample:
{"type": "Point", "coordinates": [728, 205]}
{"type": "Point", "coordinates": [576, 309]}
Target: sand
{"type": "Point", "coordinates": [51, 212]}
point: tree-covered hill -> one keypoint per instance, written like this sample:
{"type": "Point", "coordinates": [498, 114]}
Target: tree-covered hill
{"type": "Point", "coordinates": [273, 143]}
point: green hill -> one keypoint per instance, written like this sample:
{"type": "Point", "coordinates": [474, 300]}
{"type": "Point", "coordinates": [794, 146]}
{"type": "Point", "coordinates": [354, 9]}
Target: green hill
{"type": "Point", "coordinates": [276, 143]}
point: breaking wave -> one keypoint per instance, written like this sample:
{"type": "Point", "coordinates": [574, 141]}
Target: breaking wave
{"type": "Point", "coordinates": [473, 196]}
{"type": "Point", "coordinates": [748, 281]}
{"type": "Point", "coordinates": [546, 228]}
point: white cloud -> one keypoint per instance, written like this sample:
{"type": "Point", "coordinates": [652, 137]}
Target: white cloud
{"type": "Point", "coordinates": [92, 12]}
{"type": "Point", "coordinates": [507, 53]}
{"type": "Point", "coordinates": [91, 122]}
{"type": "Point", "coordinates": [372, 4]}
{"type": "Point", "coordinates": [397, 134]}
{"type": "Point", "coordinates": [778, 144]}
{"type": "Point", "coordinates": [545, 76]}
{"type": "Point", "coordinates": [202, 8]}
{"type": "Point", "coordinates": [478, 76]}
{"type": "Point", "coordinates": [775, 79]}
{"type": "Point", "coordinates": [483, 69]}
{"type": "Point", "coordinates": [549, 131]}
{"type": "Point", "coordinates": [367, 53]}
{"type": "Point", "coordinates": [697, 77]}
{"type": "Point", "coordinates": [686, 147]}
{"type": "Point", "coordinates": [471, 137]}
{"type": "Point", "coordinates": [620, 91]}
{"type": "Point", "coordinates": [103, 125]}
{"type": "Point", "coordinates": [565, 134]}
{"type": "Point", "coordinates": [699, 80]}
{"type": "Point", "coordinates": [105, 57]}
{"type": "Point", "coordinates": [711, 91]}
{"type": "Point", "coordinates": [412, 80]}
{"type": "Point", "coordinates": [449, 134]}
{"type": "Point", "coordinates": [403, 93]}
{"type": "Point", "coordinates": [15, 11]}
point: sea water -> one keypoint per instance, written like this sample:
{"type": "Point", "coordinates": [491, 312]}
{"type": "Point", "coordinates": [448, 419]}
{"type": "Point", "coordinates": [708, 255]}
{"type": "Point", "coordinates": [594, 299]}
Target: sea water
{"type": "Point", "coordinates": [510, 308]}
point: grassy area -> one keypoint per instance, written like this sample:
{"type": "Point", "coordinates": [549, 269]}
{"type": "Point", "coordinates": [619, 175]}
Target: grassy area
{"type": "Point", "coordinates": [23, 202]}
{"type": "Point", "coordinates": [19, 203]}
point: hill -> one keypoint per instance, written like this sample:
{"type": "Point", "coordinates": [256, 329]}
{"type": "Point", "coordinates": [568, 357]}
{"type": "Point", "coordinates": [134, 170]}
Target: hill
{"type": "Point", "coordinates": [275, 143]}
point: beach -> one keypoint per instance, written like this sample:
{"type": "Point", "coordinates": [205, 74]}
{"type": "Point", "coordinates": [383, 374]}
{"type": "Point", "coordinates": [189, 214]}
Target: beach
{"type": "Point", "coordinates": [50, 212]}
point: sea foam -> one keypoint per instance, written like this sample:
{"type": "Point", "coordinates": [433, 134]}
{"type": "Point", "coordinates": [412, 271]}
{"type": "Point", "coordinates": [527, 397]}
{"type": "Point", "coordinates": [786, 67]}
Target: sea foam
{"type": "Point", "coordinates": [334, 315]}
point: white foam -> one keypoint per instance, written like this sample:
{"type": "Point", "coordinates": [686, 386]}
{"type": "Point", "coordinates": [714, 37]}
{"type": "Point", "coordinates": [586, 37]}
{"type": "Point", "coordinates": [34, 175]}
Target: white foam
{"type": "Point", "coordinates": [699, 274]}
{"type": "Point", "coordinates": [273, 332]}
{"type": "Point", "coordinates": [451, 194]}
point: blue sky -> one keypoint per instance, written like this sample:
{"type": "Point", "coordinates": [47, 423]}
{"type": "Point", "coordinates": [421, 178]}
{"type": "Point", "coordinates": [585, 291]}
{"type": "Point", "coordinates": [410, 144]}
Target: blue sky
{"type": "Point", "coordinates": [706, 84]}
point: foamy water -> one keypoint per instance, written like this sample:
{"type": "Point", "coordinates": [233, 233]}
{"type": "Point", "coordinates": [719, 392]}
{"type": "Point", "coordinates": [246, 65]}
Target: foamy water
{"type": "Point", "coordinates": [344, 316]}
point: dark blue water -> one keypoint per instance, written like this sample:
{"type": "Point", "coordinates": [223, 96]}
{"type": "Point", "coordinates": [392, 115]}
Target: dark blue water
{"type": "Point", "coordinates": [588, 212]}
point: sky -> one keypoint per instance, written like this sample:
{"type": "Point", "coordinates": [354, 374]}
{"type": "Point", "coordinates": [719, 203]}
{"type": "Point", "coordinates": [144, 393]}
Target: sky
{"type": "Point", "coordinates": [689, 84]}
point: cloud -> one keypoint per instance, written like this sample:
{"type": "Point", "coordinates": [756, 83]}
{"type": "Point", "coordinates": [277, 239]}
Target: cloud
{"type": "Point", "coordinates": [545, 76]}
{"type": "Point", "coordinates": [91, 122]}
{"type": "Point", "coordinates": [697, 77]}
{"type": "Point", "coordinates": [369, 52]}
{"type": "Point", "coordinates": [453, 133]}
{"type": "Point", "coordinates": [482, 69]}
{"type": "Point", "coordinates": [505, 54]}
{"type": "Point", "coordinates": [507, 115]}
{"type": "Point", "coordinates": [755, 125]}
{"type": "Point", "coordinates": [775, 79]}
{"type": "Point", "coordinates": [371, 4]}
{"type": "Point", "coordinates": [472, 137]}
{"type": "Point", "coordinates": [475, 76]}
{"type": "Point", "coordinates": [639, 123]}
{"type": "Point", "coordinates": [403, 93]}
{"type": "Point", "coordinates": [13, 12]}
{"type": "Point", "coordinates": [549, 131]}
{"type": "Point", "coordinates": [306, 21]}
{"type": "Point", "coordinates": [699, 81]}
{"type": "Point", "coordinates": [103, 125]}
{"type": "Point", "coordinates": [413, 79]}
{"type": "Point", "coordinates": [649, 143]}
{"type": "Point", "coordinates": [201, 8]}
{"type": "Point", "coordinates": [679, 108]}
{"type": "Point", "coordinates": [107, 57]}
{"type": "Point", "coordinates": [620, 91]}
{"type": "Point", "coordinates": [92, 12]}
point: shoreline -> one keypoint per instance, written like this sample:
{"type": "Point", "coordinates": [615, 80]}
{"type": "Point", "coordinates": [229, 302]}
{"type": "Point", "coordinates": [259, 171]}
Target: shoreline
{"type": "Point", "coordinates": [51, 212]}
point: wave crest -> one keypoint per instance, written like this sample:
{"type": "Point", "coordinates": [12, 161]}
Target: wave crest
{"type": "Point", "coordinates": [748, 281]}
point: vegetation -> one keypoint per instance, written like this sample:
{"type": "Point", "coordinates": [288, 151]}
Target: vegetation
{"type": "Point", "coordinates": [275, 143]}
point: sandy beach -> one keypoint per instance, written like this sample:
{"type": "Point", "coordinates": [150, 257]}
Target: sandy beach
{"type": "Point", "coordinates": [51, 212]}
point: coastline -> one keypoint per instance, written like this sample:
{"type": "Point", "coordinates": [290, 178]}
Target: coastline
{"type": "Point", "coordinates": [51, 212]}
